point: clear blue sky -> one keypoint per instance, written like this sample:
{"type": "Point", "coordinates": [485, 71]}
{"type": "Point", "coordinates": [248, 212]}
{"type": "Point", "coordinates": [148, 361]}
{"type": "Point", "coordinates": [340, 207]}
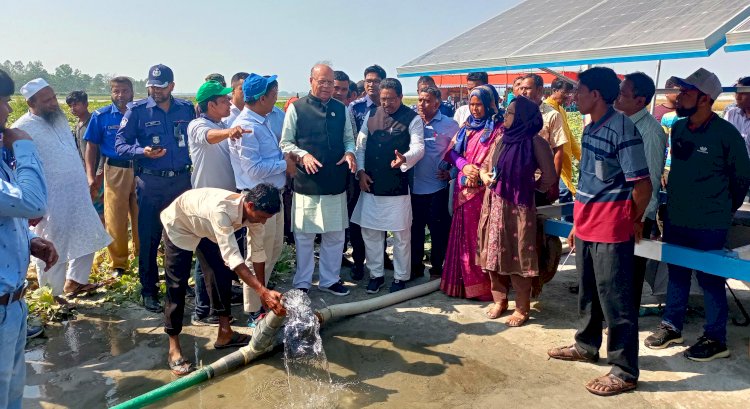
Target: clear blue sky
{"type": "Point", "coordinates": [285, 38]}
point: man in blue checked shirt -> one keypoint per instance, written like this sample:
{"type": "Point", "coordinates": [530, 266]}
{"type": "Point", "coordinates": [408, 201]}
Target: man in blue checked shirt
{"type": "Point", "coordinates": [23, 196]}
{"type": "Point", "coordinates": [154, 132]}
{"type": "Point", "coordinates": [255, 160]}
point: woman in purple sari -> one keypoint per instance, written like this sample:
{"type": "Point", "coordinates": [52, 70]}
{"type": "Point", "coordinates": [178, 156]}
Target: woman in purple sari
{"type": "Point", "coordinates": [462, 277]}
{"type": "Point", "coordinates": [507, 226]}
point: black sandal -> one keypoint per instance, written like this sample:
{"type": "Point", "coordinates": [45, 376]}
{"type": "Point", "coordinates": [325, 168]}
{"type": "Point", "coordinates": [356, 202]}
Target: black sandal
{"type": "Point", "coordinates": [237, 340]}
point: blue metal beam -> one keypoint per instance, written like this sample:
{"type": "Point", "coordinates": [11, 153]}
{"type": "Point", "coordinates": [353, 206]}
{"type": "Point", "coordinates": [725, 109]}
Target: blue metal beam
{"type": "Point", "coordinates": [720, 263]}
{"type": "Point", "coordinates": [602, 60]}
{"type": "Point", "coordinates": [733, 48]}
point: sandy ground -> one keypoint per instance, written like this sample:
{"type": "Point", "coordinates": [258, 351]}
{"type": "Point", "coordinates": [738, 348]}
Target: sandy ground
{"type": "Point", "coordinates": [431, 352]}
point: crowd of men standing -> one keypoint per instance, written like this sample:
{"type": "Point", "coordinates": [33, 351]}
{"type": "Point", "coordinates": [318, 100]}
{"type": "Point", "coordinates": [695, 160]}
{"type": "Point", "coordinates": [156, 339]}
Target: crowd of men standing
{"type": "Point", "coordinates": [221, 179]}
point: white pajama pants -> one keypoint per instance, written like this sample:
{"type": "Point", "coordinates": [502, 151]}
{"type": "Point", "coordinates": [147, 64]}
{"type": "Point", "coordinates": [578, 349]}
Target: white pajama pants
{"type": "Point", "coordinates": [401, 253]}
{"type": "Point", "coordinates": [78, 270]}
{"type": "Point", "coordinates": [331, 247]}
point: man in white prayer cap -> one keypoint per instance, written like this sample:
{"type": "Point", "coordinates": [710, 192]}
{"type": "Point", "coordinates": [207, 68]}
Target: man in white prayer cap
{"type": "Point", "coordinates": [71, 221]}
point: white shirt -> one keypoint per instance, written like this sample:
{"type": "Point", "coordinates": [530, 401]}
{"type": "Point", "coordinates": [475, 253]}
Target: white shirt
{"type": "Point", "coordinates": [233, 113]}
{"type": "Point", "coordinates": [210, 213]}
{"type": "Point", "coordinates": [462, 114]}
{"type": "Point", "coordinates": [388, 213]}
{"type": "Point", "coordinates": [71, 222]}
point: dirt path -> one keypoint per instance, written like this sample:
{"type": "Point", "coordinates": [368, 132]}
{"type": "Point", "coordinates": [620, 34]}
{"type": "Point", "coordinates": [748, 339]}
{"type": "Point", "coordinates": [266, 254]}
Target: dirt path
{"type": "Point", "coordinates": [433, 352]}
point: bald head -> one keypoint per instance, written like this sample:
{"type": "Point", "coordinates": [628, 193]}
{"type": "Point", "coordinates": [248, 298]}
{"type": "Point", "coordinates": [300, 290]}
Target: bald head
{"type": "Point", "coordinates": [321, 82]}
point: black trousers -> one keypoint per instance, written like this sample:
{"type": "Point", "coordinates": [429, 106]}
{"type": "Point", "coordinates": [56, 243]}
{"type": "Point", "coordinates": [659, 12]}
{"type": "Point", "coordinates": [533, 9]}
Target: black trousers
{"type": "Point", "coordinates": [430, 210]}
{"type": "Point", "coordinates": [218, 277]}
{"type": "Point", "coordinates": [177, 269]}
{"type": "Point", "coordinates": [354, 231]}
{"type": "Point", "coordinates": [155, 193]}
{"type": "Point", "coordinates": [639, 267]}
{"type": "Point", "coordinates": [177, 263]}
{"type": "Point", "coordinates": [606, 292]}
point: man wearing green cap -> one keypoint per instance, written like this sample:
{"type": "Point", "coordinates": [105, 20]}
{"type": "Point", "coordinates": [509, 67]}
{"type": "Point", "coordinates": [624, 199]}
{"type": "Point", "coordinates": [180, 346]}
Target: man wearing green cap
{"type": "Point", "coordinates": [207, 139]}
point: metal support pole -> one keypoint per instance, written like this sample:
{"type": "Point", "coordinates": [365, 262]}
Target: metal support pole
{"type": "Point", "coordinates": [656, 81]}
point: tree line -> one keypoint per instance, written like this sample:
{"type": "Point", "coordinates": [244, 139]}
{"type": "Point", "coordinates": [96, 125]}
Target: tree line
{"type": "Point", "coordinates": [63, 79]}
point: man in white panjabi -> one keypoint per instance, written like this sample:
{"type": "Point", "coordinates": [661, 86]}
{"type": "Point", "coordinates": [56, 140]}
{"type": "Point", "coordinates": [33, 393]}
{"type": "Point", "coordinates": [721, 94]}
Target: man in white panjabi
{"type": "Point", "coordinates": [71, 221]}
{"type": "Point", "coordinates": [390, 142]}
{"type": "Point", "coordinates": [317, 131]}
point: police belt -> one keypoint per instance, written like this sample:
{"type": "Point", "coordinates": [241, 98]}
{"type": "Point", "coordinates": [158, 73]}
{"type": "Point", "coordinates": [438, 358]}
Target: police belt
{"type": "Point", "coordinates": [165, 173]}
{"type": "Point", "coordinates": [119, 163]}
{"type": "Point", "coordinates": [6, 299]}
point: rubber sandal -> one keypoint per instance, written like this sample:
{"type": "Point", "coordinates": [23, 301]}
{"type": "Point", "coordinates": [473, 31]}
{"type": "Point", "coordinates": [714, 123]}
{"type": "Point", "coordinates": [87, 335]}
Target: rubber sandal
{"type": "Point", "coordinates": [83, 290]}
{"type": "Point", "coordinates": [570, 353]}
{"type": "Point", "coordinates": [610, 385]}
{"type": "Point", "coordinates": [517, 319]}
{"type": "Point", "coordinates": [237, 340]}
{"type": "Point", "coordinates": [181, 367]}
{"type": "Point", "coordinates": [496, 310]}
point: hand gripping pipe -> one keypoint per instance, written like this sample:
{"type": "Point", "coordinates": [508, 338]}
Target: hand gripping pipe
{"type": "Point", "coordinates": [264, 340]}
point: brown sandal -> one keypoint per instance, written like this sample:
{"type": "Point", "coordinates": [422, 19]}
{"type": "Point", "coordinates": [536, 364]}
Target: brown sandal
{"type": "Point", "coordinates": [517, 319]}
{"type": "Point", "coordinates": [609, 385]}
{"type": "Point", "coordinates": [496, 310]}
{"type": "Point", "coordinates": [570, 353]}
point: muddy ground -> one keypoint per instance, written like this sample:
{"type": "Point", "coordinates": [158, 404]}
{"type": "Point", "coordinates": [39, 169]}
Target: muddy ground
{"type": "Point", "coordinates": [431, 352]}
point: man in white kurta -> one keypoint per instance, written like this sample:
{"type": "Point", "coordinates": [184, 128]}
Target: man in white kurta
{"type": "Point", "coordinates": [390, 142]}
{"type": "Point", "coordinates": [71, 221]}
{"type": "Point", "coordinates": [317, 130]}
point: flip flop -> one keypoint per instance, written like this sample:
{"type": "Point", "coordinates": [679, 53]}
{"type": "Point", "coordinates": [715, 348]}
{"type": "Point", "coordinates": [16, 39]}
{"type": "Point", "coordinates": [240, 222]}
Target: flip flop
{"type": "Point", "coordinates": [181, 367]}
{"type": "Point", "coordinates": [237, 340]}
{"type": "Point", "coordinates": [83, 290]}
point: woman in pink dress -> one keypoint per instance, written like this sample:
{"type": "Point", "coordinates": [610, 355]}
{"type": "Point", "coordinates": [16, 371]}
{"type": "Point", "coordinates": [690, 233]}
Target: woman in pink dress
{"type": "Point", "coordinates": [462, 277]}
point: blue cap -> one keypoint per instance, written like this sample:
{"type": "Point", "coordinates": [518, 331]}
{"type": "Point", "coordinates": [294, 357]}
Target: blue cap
{"type": "Point", "coordinates": [159, 76]}
{"type": "Point", "coordinates": [255, 86]}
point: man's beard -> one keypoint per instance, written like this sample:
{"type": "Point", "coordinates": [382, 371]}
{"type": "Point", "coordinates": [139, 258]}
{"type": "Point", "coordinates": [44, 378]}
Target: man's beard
{"type": "Point", "coordinates": [683, 112]}
{"type": "Point", "coordinates": [52, 116]}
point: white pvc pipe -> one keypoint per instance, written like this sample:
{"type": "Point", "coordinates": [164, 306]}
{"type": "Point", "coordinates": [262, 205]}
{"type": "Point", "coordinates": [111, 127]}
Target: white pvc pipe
{"type": "Point", "coordinates": [376, 303]}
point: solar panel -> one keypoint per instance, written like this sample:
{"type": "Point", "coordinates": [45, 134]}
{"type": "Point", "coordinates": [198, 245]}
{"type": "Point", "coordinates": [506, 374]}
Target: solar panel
{"type": "Point", "coordinates": [539, 33]}
{"type": "Point", "coordinates": [738, 39]}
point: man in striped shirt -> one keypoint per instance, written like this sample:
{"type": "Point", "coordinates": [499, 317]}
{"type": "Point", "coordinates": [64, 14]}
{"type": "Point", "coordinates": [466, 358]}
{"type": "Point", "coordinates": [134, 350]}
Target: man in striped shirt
{"type": "Point", "coordinates": [613, 191]}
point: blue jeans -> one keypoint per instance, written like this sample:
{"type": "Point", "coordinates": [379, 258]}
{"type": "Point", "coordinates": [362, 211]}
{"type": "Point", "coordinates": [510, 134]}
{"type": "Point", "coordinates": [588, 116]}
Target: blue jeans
{"type": "Point", "coordinates": [678, 289]}
{"type": "Point", "coordinates": [565, 197]}
{"type": "Point", "coordinates": [202, 304]}
{"type": "Point", "coordinates": [12, 363]}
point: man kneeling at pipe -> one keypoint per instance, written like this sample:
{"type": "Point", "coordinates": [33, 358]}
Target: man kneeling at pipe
{"type": "Point", "coordinates": [204, 220]}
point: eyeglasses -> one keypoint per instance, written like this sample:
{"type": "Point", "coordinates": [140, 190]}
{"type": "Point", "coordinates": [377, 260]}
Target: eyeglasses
{"type": "Point", "coordinates": [371, 82]}
{"type": "Point", "coordinates": [324, 83]}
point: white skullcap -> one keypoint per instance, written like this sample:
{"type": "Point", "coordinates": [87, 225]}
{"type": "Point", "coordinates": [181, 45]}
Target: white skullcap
{"type": "Point", "coordinates": [32, 87]}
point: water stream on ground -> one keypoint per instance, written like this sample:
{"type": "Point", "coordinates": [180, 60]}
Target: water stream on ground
{"type": "Point", "coordinates": [304, 357]}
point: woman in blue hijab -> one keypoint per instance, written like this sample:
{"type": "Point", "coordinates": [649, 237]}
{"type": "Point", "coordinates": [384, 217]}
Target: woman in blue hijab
{"type": "Point", "coordinates": [462, 277]}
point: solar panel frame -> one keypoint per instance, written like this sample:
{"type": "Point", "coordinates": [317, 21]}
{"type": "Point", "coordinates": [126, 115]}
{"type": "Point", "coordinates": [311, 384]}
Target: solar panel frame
{"type": "Point", "coordinates": [738, 38]}
{"type": "Point", "coordinates": [570, 32]}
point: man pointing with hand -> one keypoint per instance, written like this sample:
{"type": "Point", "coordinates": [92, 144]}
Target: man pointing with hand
{"type": "Point", "coordinates": [390, 142]}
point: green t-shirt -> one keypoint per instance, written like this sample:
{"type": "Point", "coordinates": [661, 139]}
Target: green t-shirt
{"type": "Point", "coordinates": [710, 167]}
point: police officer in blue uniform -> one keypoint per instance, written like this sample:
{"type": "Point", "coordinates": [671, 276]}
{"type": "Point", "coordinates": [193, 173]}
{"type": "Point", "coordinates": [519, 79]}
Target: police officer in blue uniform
{"type": "Point", "coordinates": [154, 133]}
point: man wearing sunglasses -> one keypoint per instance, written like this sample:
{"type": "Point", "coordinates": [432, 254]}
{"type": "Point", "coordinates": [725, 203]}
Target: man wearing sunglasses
{"type": "Point", "coordinates": [708, 180]}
